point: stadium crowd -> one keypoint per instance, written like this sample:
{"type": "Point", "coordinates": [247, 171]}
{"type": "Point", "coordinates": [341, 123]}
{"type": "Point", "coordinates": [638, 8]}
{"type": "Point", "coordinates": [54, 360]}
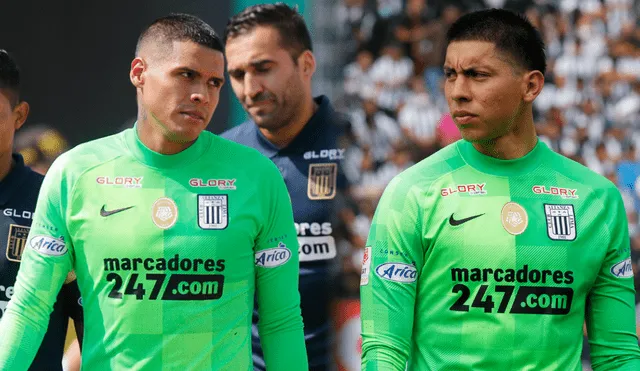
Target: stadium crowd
{"type": "Point", "coordinates": [588, 109]}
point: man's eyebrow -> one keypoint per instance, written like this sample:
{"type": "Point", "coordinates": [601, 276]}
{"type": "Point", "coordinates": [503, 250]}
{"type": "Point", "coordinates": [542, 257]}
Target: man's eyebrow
{"type": "Point", "coordinates": [260, 62]}
{"type": "Point", "coordinates": [472, 68]}
{"type": "Point", "coordinates": [187, 69]}
{"type": "Point", "coordinates": [254, 64]}
{"type": "Point", "coordinates": [198, 74]}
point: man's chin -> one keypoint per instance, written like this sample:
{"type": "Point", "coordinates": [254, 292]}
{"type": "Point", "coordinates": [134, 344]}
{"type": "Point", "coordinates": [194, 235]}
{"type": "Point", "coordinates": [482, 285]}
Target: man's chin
{"type": "Point", "coordinates": [472, 136]}
{"type": "Point", "coordinates": [264, 122]}
{"type": "Point", "coordinates": [182, 136]}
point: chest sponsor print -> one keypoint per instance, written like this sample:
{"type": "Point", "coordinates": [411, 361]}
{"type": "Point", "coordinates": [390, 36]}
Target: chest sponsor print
{"type": "Point", "coordinates": [120, 181]}
{"type": "Point", "coordinates": [473, 189]}
{"type": "Point", "coordinates": [565, 193]}
{"type": "Point", "coordinates": [317, 248]}
{"type": "Point", "coordinates": [223, 184]}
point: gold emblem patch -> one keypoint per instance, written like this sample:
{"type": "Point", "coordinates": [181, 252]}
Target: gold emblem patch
{"type": "Point", "coordinates": [514, 218]}
{"type": "Point", "coordinates": [164, 213]}
{"type": "Point", "coordinates": [16, 242]}
{"type": "Point", "coordinates": [322, 181]}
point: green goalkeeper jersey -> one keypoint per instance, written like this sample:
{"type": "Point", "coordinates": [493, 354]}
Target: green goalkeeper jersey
{"type": "Point", "coordinates": [168, 252]}
{"type": "Point", "coordinates": [475, 263]}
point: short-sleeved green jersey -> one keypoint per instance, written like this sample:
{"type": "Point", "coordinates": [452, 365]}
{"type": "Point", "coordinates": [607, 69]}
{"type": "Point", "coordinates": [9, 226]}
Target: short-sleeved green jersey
{"type": "Point", "coordinates": [475, 263]}
{"type": "Point", "coordinates": [168, 251]}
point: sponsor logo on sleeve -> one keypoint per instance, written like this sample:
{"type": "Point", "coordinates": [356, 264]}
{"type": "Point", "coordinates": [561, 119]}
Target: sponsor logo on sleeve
{"type": "Point", "coordinates": [622, 269]}
{"type": "Point", "coordinates": [49, 228]}
{"type": "Point", "coordinates": [397, 272]}
{"type": "Point", "coordinates": [366, 266]}
{"type": "Point", "coordinates": [274, 257]}
{"type": "Point", "coordinates": [16, 242]}
{"type": "Point", "coordinates": [47, 245]}
{"type": "Point", "coordinates": [322, 181]}
{"type": "Point", "coordinates": [473, 189]}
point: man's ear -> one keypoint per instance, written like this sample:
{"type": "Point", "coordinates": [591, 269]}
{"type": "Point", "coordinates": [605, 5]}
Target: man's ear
{"type": "Point", "coordinates": [20, 113]}
{"type": "Point", "coordinates": [534, 81]}
{"type": "Point", "coordinates": [136, 74]}
{"type": "Point", "coordinates": [307, 61]}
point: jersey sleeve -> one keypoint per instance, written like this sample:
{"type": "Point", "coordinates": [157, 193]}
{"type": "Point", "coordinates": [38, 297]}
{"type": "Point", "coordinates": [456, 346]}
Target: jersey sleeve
{"type": "Point", "coordinates": [46, 261]}
{"type": "Point", "coordinates": [391, 265]}
{"type": "Point", "coordinates": [610, 313]}
{"type": "Point", "coordinates": [277, 275]}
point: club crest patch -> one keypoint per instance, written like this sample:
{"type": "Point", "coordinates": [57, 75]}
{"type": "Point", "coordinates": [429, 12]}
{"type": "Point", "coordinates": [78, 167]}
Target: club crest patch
{"type": "Point", "coordinates": [213, 211]}
{"type": "Point", "coordinates": [561, 222]}
{"type": "Point", "coordinates": [322, 181]}
{"type": "Point", "coordinates": [16, 242]}
{"type": "Point", "coordinates": [514, 218]}
{"type": "Point", "coordinates": [164, 213]}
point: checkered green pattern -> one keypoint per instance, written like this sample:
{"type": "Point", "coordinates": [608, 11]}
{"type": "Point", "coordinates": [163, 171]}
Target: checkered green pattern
{"type": "Point", "coordinates": [179, 298]}
{"type": "Point", "coordinates": [441, 293]}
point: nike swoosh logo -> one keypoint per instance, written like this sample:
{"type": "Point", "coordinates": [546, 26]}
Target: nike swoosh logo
{"type": "Point", "coordinates": [455, 222]}
{"type": "Point", "coordinates": [104, 212]}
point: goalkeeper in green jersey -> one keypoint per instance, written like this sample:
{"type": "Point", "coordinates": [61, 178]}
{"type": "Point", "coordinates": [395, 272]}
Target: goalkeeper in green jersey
{"type": "Point", "coordinates": [169, 228]}
{"type": "Point", "coordinates": [492, 253]}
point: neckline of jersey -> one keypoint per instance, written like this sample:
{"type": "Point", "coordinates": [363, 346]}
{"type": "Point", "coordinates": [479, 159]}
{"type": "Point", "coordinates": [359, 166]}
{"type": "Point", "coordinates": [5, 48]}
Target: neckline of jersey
{"type": "Point", "coordinates": [495, 166]}
{"type": "Point", "coordinates": [158, 160]}
{"type": "Point", "coordinates": [307, 136]}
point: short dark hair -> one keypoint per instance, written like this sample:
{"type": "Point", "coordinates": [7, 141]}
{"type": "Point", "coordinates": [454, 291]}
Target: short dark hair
{"type": "Point", "coordinates": [9, 78]}
{"type": "Point", "coordinates": [511, 33]}
{"type": "Point", "coordinates": [290, 24]}
{"type": "Point", "coordinates": [181, 27]}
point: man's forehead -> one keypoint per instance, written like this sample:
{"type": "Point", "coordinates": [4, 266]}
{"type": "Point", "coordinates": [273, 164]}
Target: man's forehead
{"type": "Point", "coordinates": [471, 52]}
{"type": "Point", "coordinates": [251, 58]}
{"type": "Point", "coordinates": [199, 58]}
{"type": "Point", "coordinates": [260, 44]}
{"type": "Point", "coordinates": [258, 35]}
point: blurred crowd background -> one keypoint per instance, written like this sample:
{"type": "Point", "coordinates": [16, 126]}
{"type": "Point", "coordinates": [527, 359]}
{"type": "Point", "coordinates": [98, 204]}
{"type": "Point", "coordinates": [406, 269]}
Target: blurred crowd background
{"type": "Point", "coordinates": [387, 78]}
{"type": "Point", "coordinates": [393, 52]}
